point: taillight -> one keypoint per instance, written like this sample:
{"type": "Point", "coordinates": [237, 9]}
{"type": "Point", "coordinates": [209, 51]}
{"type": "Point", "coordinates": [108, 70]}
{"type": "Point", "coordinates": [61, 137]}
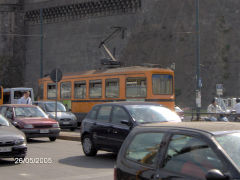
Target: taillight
{"type": "Point", "coordinates": [115, 173]}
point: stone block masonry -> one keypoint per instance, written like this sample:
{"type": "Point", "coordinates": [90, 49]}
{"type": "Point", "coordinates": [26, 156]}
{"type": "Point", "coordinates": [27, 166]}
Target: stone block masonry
{"type": "Point", "coordinates": [157, 31]}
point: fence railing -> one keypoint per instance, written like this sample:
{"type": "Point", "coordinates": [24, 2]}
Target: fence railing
{"type": "Point", "coordinates": [205, 116]}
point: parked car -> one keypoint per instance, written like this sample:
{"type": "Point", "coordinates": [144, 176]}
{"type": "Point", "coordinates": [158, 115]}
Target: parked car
{"type": "Point", "coordinates": [12, 141]}
{"type": "Point", "coordinates": [66, 119]}
{"type": "Point", "coordinates": [181, 151]}
{"type": "Point", "coordinates": [179, 111]}
{"type": "Point", "coordinates": [31, 120]}
{"type": "Point", "coordinates": [107, 125]}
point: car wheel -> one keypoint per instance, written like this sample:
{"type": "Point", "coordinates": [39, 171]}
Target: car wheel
{"type": "Point", "coordinates": [52, 138]}
{"type": "Point", "coordinates": [88, 146]}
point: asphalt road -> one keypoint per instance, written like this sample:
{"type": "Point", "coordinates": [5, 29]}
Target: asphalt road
{"type": "Point", "coordinates": [63, 160]}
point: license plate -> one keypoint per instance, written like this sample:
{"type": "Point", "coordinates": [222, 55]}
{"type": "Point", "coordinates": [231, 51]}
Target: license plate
{"type": "Point", "coordinates": [5, 149]}
{"type": "Point", "coordinates": [44, 131]}
{"type": "Point", "coordinates": [66, 122]}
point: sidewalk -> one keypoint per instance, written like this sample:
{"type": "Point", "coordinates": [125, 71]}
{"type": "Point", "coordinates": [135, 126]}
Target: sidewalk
{"type": "Point", "coordinates": [70, 135]}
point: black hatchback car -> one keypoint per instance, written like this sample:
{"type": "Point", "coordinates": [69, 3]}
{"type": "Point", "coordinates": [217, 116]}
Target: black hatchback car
{"type": "Point", "coordinates": [107, 125]}
{"type": "Point", "coordinates": [181, 151]}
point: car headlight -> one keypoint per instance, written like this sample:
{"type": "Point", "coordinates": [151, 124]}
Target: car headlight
{"type": "Point", "coordinates": [28, 126]}
{"type": "Point", "coordinates": [55, 125]}
{"type": "Point", "coordinates": [19, 142]}
{"type": "Point", "coordinates": [74, 117]}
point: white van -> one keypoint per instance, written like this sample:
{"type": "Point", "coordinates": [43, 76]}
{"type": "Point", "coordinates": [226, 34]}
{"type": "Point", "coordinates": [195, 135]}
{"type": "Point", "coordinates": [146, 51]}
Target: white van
{"type": "Point", "coordinates": [11, 95]}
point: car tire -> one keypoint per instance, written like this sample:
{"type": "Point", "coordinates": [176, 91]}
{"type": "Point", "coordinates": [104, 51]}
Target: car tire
{"type": "Point", "coordinates": [88, 146]}
{"type": "Point", "coordinates": [52, 138]}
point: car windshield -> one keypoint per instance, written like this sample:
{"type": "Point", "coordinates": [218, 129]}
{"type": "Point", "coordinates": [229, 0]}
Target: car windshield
{"type": "Point", "coordinates": [231, 144]}
{"type": "Point", "coordinates": [3, 121]}
{"type": "Point", "coordinates": [50, 107]}
{"type": "Point", "coordinates": [151, 113]}
{"type": "Point", "coordinates": [29, 112]}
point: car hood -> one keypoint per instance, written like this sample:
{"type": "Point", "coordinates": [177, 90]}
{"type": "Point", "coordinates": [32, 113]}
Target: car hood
{"type": "Point", "coordinates": [36, 120]}
{"type": "Point", "coordinates": [10, 133]}
{"type": "Point", "coordinates": [62, 114]}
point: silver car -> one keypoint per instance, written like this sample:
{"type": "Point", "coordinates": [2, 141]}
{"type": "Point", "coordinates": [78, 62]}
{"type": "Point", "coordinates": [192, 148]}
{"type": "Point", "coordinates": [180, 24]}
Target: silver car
{"type": "Point", "coordinates": [66, 119]}
{"type": "Point", "coordinates": [12, 141]}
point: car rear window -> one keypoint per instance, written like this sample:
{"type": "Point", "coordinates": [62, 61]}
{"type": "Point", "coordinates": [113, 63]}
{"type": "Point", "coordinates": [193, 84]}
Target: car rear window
{"type": "Point", "coordinates": [151, 113]}
{"type": "Point", "coordinates": [144, 148]}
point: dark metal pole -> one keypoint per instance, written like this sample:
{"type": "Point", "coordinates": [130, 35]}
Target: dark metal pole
{"type": "Point", "coordinates": [41, 42]}
{"type": "Point", "coordinates": [198, 88]}
{"type": "Point", "coordinates": [56, 95]}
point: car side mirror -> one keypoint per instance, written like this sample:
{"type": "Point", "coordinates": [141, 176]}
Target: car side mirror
{"type": "Point", "coordinates": [215, 174]}
{"type": "Point", "coordinates": [127, 122]}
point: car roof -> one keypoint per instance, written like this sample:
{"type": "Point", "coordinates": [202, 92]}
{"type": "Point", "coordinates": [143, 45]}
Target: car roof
{"type": "Point", "coordinates": [18, 105]}
{"type": "Point", "coordinates": [213, 128]}
{"type": "Point", "coordinates": [126, 103]}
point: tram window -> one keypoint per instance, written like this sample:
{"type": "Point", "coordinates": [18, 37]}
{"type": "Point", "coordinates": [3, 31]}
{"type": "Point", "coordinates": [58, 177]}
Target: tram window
{"type": "Point", "coordinates": [80, 90]}
{"type": "Point", "coordinates": [66, 90]}
{"type": "Point", "coordinates": [95, 88]}
{"type": "Point", "coordinates": [112, 88]}
{"type": "Point", "coordinates": [162, 84]}
{"type": "Point", "coordinates": [51, 91]}
{"type": "Point", "coordinates": [136, 87]}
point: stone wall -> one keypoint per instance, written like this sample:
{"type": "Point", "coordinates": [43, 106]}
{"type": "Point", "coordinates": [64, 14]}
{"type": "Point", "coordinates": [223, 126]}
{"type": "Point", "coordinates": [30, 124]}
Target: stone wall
{"type": "Point", "coordinates": [12, 59]}
{"type": "Point", "coordinates": [157, 31]}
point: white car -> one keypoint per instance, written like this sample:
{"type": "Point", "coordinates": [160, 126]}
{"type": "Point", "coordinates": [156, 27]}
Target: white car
{"type": "Point", "coordinates": [180, 112]}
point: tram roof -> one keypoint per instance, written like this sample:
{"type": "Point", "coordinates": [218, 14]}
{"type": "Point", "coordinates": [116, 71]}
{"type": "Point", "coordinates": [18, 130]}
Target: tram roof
{"type": "Point", "coordinates": [116, 70]}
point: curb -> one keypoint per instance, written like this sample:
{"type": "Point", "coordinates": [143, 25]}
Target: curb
{"type": "Point", "coordinates": [69, 138]}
